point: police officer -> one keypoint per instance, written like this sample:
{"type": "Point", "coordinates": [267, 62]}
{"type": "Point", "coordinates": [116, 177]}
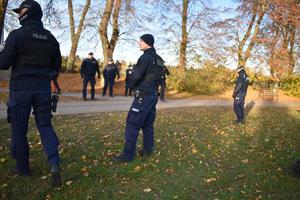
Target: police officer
{"type": "Point", "coordinates": [145, 81]}
{"type": "Point", "coordinates": [88, 70]}
{"type": "Point", "coordinates": [110, 72]}
{"type": "Point", "coordinates": [239, 94]}
{"type": "Point", "coordinates": [128, 78]}
{"type": "Point", "coordinates": [163, 83]}
{"type": "Point", "coordinates": [33, 53]}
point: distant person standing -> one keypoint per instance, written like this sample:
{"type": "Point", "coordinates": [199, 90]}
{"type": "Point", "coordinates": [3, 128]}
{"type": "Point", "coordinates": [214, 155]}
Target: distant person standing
{"type": "Point", "coordinates": [128, 78]}
{"type": "Point", "coordinates": [88, 70]}
{"type": "Point", "coordinates": [110, 72]}
{"type": "Point", "coordinates": [239, 94]}
{"type": "Point", "coordinates": [163, 83]}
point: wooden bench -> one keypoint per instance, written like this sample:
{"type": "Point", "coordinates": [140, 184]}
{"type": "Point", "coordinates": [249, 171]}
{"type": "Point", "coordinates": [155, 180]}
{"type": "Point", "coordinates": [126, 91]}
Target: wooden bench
{"type": "Point", "coordinates": [268, 93]}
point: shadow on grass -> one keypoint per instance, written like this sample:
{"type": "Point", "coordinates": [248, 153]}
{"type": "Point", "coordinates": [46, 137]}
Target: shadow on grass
{"type": "Point", "coordinates": [249, 107]}
{"type": "Point", "coordinates": [277, 148]}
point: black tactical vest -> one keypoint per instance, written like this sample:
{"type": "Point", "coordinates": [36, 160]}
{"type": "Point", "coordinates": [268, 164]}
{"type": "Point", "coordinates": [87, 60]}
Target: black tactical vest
{"type": "Point", "coordinates": [37, 49]}
{"type": "Point", "coordinates": [155, 71]}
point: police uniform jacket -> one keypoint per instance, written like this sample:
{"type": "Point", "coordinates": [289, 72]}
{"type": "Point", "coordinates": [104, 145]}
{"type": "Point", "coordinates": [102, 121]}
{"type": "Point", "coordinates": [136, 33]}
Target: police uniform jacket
{"type": "Point", "coordinates": [144, 68]}
{"type": "Point", "coordinates": [33, 53]}
{"type": "Point", "coordinates": [241, 86]}
{"type": "Point", "coordinates": [89, 67]}
{"type": "Point", "coordinates": [110, 71]}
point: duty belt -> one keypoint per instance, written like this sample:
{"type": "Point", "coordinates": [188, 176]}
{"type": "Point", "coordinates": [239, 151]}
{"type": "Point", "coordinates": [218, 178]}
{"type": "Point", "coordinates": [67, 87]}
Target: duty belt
{"type": "Point", "coordinates": [141, 93]}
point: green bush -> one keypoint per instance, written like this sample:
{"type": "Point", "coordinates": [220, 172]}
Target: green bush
{"type": "Point", "coordinates": [291, 85]}
{"type": "Point", "coordinates": [206, 81]}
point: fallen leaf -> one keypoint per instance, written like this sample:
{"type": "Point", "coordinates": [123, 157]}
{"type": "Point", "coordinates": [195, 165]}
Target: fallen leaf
{"type": "Point", "coordinates": [68, 182]}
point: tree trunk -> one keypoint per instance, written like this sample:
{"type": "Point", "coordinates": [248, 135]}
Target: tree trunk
{"type": "Point", "coordinates": [75, 35]}
{"type": "Point", "coordinates": [3, 6]}
{"type": "Point", "coordinates": [259, 10]}
{"type": "Point", "coordinates": [108, 46]}
{"type": "Point", "coordinates": [184, 36]}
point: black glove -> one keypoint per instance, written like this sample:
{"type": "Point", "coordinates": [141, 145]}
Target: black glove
{"type": "Point", "coordinates": [54, 100]}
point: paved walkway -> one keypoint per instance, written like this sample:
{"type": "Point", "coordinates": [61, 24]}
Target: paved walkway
{"type": "Point", "coordinates": [118, 103]}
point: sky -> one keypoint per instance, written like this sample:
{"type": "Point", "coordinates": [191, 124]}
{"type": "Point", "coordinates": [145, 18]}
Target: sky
{"type": "Point", "coordinates": [128, 51]}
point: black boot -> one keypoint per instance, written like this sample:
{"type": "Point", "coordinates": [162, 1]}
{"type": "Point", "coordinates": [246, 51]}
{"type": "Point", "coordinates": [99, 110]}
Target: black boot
{"type": "Point", "coordinates": [144, 153]}
{"type": "Point", "coordinates": [15, 171]}
{"type": "Point", "coordinates": [121, 158]}
{"type": "Point", "coordinates": [55, 176]}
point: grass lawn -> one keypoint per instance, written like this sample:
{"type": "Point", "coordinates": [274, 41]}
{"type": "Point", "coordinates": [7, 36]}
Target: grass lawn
{"type": "Point", "coordinates": [199, 155]}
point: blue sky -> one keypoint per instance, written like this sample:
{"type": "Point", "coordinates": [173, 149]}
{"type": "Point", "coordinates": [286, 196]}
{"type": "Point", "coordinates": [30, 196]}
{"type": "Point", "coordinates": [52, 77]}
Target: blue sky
{"type": "Point", "coordinates": [128, 51]}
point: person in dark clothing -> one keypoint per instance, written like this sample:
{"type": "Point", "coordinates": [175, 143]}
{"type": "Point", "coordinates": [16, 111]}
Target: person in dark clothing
{"type": "Point", "coordinates": [239, 94]}
{"type": "Point", "coordinates": [128, 78]}
{"type": "Point", "coordinates": [163, 83]}
{"type": "Point", "coordinates": [296, 168]}
{"type": "Point", "coordinates": [145, 82]}
{"type": "Point", "coordinates": [88, 70]}
{"type": "Point", "coordinates": [110, 72]}
{"type": "Point", "coordinates": [32, 53]}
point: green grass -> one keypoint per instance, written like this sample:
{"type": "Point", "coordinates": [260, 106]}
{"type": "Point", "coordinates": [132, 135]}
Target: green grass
{"type": "Point", "coordinates": [199, 155]}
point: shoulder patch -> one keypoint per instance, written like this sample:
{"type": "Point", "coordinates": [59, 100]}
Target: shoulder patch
{"type": "Point", "coordinates": [2, 46]}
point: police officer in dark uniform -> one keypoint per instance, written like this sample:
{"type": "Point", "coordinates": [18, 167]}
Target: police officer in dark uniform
{"type": "Point", "coordinates": [110, 72]}
{"type": "Point", "coordinates": [239, 94]}
{"type": "Point", "coordinates": [88, 70]}
{"type": "Point", "coordinates": [33, 53]}
{"type": "Point", "coordinates": [163, 83]}
{"type": "Point", "coordinates": [128, 78]}
{"type": "Point", "coordinates": [145, 81]}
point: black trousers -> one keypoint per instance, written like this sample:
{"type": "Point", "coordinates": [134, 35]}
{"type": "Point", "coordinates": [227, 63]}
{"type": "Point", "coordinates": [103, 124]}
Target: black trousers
{"type": "Point", "coordinates": [110, 83]}
{"type": "Point", "coordinates": [92, 81]}
{"type": "Point", "coordinates": [238, 106]}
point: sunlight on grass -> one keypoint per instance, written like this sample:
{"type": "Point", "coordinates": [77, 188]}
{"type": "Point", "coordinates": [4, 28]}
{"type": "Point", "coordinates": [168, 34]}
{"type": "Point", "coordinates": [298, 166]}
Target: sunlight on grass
{"type": "Point", "coordinates": [199, 154]}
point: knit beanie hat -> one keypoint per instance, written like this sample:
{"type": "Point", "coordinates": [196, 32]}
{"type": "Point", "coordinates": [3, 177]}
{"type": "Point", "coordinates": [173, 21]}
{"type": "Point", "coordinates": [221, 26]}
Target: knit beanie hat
{"type": "Point", "coordinates": [148, 39]}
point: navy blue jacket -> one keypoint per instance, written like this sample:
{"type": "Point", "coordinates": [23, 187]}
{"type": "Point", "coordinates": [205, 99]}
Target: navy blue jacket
{"type": "Point", "coordinates": [110, 72]}
{"type": "Point", "coordinates": [27, 76]}
{"type": "Point", "coordinates": [241, 86]}
{"type": "Point", "coordinates": [143, 66]}
{"type": "Point", "coordinates": [89, 67]}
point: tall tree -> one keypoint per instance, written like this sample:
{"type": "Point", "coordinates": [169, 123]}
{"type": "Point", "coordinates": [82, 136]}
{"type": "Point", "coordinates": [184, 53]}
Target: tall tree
{"type": "Point", "coordinates": [111, 10]}
{"type": "Point", "coordinates": [75, 34]}
{"type": "Point", "coordinates": [184, 35]}
{"type": "Point", "coordinates": [258, 10]}
{"type": "Point", "coordinates": [3, 5]}
{"type": "Point", "coordinates": [281, 43]}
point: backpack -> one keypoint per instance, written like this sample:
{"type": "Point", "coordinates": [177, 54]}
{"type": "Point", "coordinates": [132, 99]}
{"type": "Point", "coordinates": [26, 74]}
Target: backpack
{"type": "Point", "coordinates": [156, 71]}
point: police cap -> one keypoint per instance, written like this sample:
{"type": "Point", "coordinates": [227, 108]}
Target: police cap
{"type": "Point", "coordinates": [32, 6]}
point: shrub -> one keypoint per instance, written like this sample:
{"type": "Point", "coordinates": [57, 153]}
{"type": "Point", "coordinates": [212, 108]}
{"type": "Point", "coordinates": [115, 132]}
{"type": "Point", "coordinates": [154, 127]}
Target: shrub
{"type": "Point", "coordinates": [206, 81]}
{"type": "Point", "coordinates": [291, 85]}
